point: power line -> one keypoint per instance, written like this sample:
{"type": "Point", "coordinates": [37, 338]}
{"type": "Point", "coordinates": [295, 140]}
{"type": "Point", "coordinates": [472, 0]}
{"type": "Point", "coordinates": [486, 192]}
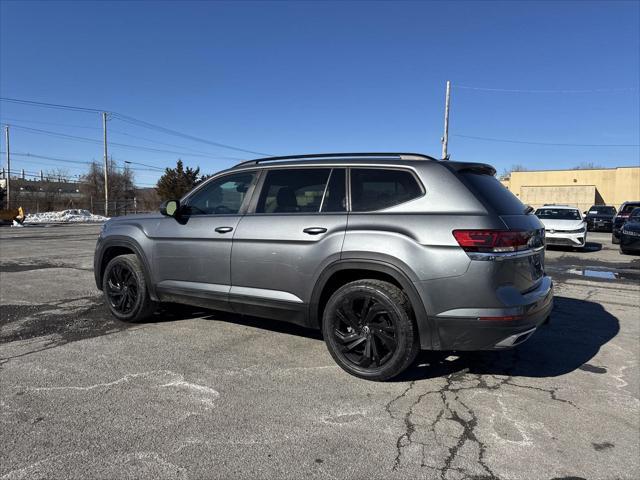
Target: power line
{"type": "Point", "coordinates": [514, 90]}
{"type": "Point", "coordinates": [142, 123]}
{"type": "Point", "coordinates": [504, 140]}
{"type": "Point", "coordinates": [81, 162]}
{"type": "Point", "coordinates": [57, 124]}
{"type": "Point", "coordinates": [99, 142]}
{"type": "Point", "coordinates": [51, 105]}
{"type": "Point", "coordinates": [131, 120]}
{"type": "Point", "coordinates": [119, 132]}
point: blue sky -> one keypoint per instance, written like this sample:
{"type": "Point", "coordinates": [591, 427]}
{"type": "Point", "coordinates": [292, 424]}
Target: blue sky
{"type": "Point", "coordinates": [300, 77]}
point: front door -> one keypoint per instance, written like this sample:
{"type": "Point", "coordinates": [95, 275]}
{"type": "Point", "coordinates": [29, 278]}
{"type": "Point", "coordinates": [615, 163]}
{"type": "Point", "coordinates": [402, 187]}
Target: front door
{"type": "Point", "coordinates": [293, 231]}
{"type": "Point", "coordinates": [192, 253]}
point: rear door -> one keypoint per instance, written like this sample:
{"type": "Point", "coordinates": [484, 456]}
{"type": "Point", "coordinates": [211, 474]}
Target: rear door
{"type": "Point", "coordinates": [293, 230]}
{"type": "Point", "coordinates": [192, 254]}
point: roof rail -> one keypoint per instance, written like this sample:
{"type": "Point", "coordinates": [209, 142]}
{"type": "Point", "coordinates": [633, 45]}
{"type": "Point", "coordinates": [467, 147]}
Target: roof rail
{"type": "Point", "coordinates": [401, 156]}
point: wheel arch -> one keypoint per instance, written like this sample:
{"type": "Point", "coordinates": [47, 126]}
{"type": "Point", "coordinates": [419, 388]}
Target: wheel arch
{"type": "Point", "coordinates": [345, 271]}
{"type": "Point", "coordinates": [119, 245]}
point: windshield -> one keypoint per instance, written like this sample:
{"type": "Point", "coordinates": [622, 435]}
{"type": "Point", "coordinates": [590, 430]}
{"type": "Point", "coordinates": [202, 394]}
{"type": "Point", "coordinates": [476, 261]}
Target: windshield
{"type": "Point", "coordinates": [558, 214]}
{"type": "Point", "coordinates": [601, 210]}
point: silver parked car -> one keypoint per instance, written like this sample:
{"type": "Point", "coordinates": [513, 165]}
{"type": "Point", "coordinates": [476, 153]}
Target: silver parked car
{"type": "Point", "coordinates": [386, 253]}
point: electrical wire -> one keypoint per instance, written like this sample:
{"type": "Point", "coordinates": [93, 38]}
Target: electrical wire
{"type": "Point", "coordinates": [131, 120]}
{"type": "Point", "coordinates": [553, 144]}
{"type": "Point", "coordinates": [514, 90]}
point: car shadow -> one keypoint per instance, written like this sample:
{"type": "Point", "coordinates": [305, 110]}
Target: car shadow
{"type": "Point", "coordinates": [176, 312]}
{"type": "Point", "coordinates": [575, 334]}
{"type": "Point", "coordinates": [590, 247]}
{"type": "Point", "coordinates": [577, 331]}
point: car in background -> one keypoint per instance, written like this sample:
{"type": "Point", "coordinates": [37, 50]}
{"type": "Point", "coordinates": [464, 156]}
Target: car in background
{"type": "Point", "coordinates": [621, 218]}
{"type": "Point", "coordinates": [630, 233]}
{"type": "Point", "coordinates": [600, 218]}
{"type": "Point", "coordinates": [564, 226]}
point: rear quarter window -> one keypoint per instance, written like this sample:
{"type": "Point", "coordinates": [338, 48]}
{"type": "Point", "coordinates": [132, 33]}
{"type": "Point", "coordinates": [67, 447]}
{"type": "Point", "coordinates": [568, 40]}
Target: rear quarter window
{"type": "Point", "coordinates": [492, 193]}
{"type": "Point", "coordinates": [375, 189]}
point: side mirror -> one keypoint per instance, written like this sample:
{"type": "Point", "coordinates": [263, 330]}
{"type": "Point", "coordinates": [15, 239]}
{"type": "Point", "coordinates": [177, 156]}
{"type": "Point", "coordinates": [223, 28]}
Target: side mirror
{"type": "Point", "coordinates": [170, 208]}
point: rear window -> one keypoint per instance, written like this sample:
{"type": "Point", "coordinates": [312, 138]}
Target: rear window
{"type": "Point", "coordinates": [493, 194]}
{"type": "Point", "coordinates": [378, 188]}
{"type": "Point", "coordinates": [629, 207]}
{"type": "Point", "coordinates": [600, 210]}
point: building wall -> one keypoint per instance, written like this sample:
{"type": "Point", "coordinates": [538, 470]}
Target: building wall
{"type": "Point", "coordinates": [613, 186]}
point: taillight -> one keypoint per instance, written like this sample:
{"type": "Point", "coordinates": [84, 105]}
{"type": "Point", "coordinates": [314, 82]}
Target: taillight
{"type": "Point", "coordinates": [492, 241]}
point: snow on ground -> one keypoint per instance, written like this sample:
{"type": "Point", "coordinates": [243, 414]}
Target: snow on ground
{"type": "Point", "coordinates": [65, 216]}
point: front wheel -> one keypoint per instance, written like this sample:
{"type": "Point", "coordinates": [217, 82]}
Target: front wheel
{"type": "Point", "coordinates": [369, 329]}
{"type": "Point", "coordinates": [125, 289]}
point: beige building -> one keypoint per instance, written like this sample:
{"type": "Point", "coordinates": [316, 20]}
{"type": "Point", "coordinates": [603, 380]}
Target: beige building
{"type": "Point", "coordinates": [582, 188]}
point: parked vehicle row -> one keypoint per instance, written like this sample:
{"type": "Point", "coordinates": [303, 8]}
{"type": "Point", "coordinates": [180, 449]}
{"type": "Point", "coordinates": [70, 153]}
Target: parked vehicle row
{"type": "Point", "coordinates": [565, 225]}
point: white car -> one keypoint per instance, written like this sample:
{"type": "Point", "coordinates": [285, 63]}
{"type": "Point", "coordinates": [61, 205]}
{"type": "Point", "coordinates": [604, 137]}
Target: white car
{"type": "Point", "coordinates": [564, 225]}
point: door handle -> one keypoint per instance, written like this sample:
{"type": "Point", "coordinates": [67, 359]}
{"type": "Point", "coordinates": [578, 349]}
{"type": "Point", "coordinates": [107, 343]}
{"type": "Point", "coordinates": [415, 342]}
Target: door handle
{"type": "Point", "coordinates": [314, 230]}
{"type": "Point", "coordinates": [224, 229]}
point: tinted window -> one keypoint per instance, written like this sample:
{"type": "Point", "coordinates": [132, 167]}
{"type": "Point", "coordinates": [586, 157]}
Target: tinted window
{"type": "Point", "coordinates": [375, 189]}
{"type": "Point", "coordinates": [293, 190]}
{"type": "Point", "coordinates": [335, 198]}
{"type": "Point", "coordinates": [602, 210]}
{"type": "Point", "coordinates": [635, 214]}
{"type": "Point", "coordinates": [558, 214]}
{"type": "Point", "coordinates": [493, 194]}
{"type": "Point", "coordinates": [629, 207]}
{"type": "Point", "coordinates": [221, 196]}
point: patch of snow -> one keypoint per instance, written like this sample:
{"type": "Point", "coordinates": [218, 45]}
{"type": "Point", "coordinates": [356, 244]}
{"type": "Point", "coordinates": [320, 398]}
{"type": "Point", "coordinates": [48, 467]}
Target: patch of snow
{"type": "Point", "coordinates": [74, 215]}
{"type": "Point", "coordinates": [16, 224]}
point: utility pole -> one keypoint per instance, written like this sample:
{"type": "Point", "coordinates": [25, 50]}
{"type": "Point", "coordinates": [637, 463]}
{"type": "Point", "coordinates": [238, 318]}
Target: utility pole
{"type": "Point", "coordinates": [6, 136]}
{"type": "Point", "coordinates": [106, 166]}
{"type": "Point", "coordinates": [445, 137]}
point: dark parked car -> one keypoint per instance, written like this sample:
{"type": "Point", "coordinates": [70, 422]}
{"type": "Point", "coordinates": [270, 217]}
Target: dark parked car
{"type": "Point", "coordinates": [386, 253]}
{"type": "Point", "coordinates": [630, 233]}
{"type": "Point", "coordinates": [621, 218]}
{"type": "Point", "coordinates": [600, 218]}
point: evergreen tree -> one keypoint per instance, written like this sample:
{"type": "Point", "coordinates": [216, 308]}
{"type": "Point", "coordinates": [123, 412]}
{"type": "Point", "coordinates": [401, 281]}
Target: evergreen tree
{"type": "Point", "coordinates": [175, 182]}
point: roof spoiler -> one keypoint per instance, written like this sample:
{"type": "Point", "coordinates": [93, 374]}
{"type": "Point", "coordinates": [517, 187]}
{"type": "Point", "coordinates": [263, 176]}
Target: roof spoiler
{"type": "Point", "coordinates": [482, 168]}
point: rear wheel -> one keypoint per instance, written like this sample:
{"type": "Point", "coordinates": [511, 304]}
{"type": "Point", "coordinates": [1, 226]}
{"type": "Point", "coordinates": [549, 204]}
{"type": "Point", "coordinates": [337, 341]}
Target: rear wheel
{"type": "Point", "coordinates": [125, 289]}
{"type": "Point", "coordinates": [369, 329]}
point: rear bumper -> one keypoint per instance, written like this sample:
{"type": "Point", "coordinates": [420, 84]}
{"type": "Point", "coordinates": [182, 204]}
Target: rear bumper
{"type": "Point", "coordinates": [496, 328]}
{"type": "Point", "coordinates": [599, 225]}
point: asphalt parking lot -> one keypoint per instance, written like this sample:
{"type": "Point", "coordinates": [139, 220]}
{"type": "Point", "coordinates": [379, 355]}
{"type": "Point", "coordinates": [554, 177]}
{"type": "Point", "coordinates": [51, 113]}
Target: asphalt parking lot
{"type": "Point", "coordinates": [205, 395]}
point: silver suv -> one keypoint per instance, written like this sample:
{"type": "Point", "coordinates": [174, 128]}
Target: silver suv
{"type": "Point", "coordinates": [386, 253]}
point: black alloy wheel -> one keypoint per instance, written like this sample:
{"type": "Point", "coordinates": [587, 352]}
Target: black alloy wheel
{"type": "Point", "coordinates": [122, 288]}
{"type": "Point", "coordinates": [125, 289]}
{"type": "Point", "coordinates": [369, 329]}
{"type": "Point", "coordinates": [366, 331]}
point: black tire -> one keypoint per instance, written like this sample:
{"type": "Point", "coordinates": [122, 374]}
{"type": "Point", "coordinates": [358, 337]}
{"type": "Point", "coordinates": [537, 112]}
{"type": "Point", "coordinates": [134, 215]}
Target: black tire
{"type": "Point", "coordinates": [125, 289]}
{"type": "Point", "coordinates": [369, 329]}
{"type": "Point", "coordinates": [615, 240]}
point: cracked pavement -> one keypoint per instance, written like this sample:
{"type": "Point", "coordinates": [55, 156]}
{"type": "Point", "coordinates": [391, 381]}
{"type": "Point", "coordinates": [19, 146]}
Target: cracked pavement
{"type": "Point", "coordinates": [199, 394]}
